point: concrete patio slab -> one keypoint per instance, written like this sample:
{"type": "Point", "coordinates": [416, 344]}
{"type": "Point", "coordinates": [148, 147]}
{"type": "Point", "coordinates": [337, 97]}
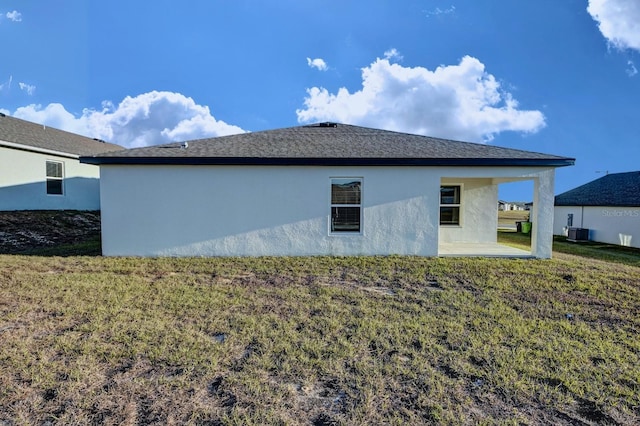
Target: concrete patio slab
{"type": "Point", "coordinates": [480, 250]}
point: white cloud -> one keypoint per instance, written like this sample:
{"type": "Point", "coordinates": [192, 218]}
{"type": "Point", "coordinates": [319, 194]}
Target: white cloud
{"type": "Point", "coordinates": [437, 11]}
{"type": "Point", "coordinates": [618, 20]}
{"type": "Point", "coordinates": [456, 101]}
{"type": "Point", "coordinates": [147, 119]}
{"type": "Point", "coordinates": [30, 89]}
{"type": "Point", "coordinates": [14, 16]}
{"type": "Point", "coordinates": [632, 70]}
{"type": "Point", "coordinates": [7, 84]}
{"type": "Point", "coordinates": [393, 54]}
{"type": "Point", "coordinates": [317, 63]}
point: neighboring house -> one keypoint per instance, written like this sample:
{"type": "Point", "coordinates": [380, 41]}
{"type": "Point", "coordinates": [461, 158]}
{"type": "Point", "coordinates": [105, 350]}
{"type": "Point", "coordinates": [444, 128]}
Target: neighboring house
{"type": "Point", "coordinates": [40, 170]}
{"type": "Point", "coordinates": [504, 206]}
{"type": "Point", "coordinates": [511, 206]}
{"type": "Point", "coordinates": [323, 189]}
{"type": "Point", "coordinates": [608, 207]}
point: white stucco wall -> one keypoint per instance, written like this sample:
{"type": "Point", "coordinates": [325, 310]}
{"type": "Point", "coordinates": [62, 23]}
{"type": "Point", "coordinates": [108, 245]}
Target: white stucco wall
{"type": "Point", "coordinates": [560, 216]}
{"type": "Point", "coordinates": [253, 210]}
{"type": "Point", "coordinates": [23, 182]}
{"type": "Point", "coordinates": [478, 215]}
{"type": "Point", "coordinates": [542, 214]}
{"type": "Point", "coordinates": [612, 225]}
{"type": "Point", "coordinates": [227, 211]}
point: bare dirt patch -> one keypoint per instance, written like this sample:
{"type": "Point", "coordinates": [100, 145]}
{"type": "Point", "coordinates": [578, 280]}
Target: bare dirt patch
{"type": "Point", "coordinates": [22, 231]}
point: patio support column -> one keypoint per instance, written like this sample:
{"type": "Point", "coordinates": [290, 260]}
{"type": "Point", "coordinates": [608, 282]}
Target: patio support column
{"type": "Point", "coordinates": [542, 214]}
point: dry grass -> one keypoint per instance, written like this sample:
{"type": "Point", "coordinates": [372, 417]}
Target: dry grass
{"type": "Point", "coordinates": [510, 217]}
{"type": "Point", "coordinates": [373, 340]}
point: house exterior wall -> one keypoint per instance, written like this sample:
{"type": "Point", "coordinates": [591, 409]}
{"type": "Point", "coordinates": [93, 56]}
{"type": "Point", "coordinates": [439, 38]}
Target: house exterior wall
{"type": "Point", "coordinates": [560, 218]}
{"type": "Point", "coordinates": [611, 225]}
{"type": "Point", "coordinates": [479, 221]}
{"type": "Point", "coordinates": [23, 182]}
{"type": "Point", "coordinates": [267, 210]}
{"type": "Point", "coordinates": [229, 211]}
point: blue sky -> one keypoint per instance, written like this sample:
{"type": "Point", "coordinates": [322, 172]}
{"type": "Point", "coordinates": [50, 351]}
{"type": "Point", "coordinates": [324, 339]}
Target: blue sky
{"type": "Point", "coordinates": [559, 77]}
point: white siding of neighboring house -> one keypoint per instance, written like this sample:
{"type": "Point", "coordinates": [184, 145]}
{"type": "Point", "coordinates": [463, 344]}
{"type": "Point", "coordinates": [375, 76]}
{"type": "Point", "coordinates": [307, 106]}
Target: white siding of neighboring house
{"type": "Point", "coordinates": [268, 210]}
{"type": "Point", "coordinates": [23, 182]}
{"type": "Point", "coordinates": [612, 225]}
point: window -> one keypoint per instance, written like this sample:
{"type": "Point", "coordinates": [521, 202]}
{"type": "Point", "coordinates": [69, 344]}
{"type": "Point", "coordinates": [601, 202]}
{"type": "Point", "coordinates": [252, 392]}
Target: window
{"type": "Point", "coordinates": [450, 205]}
{"type": "Point", "coordinates": [54, 177]}
{"type": "Point", "coordinates": [346, 199]}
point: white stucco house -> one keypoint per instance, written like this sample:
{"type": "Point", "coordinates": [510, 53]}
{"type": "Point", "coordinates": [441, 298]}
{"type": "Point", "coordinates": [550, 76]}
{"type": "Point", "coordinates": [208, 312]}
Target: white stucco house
{"type": "Point", "coordinates": [607, 209]}
{"type": "Point", "coordinates": [511, 205]}
{"type": "Point", "coordinates": [40, 168]}
{"type": "Point", "coordinates": [322, 189]}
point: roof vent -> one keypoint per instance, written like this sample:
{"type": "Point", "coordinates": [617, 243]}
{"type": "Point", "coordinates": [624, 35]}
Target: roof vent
{"type": "Point", "coordinates": [98, 140]}
{"type": "Point", "coordinates": [328, 124]}
{"type": "Point", "coordinates": [2, 114]}
{"type": "Point", "coordinates": [184, 145]}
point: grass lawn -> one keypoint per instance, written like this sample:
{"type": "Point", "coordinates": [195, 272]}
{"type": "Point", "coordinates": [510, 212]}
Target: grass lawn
{"type": "Point", "coordinates": [510, 217]}
{"type": "Point", "coordinates": [589, 249]}
{"type": "Point", "coordinates": [322, 341]}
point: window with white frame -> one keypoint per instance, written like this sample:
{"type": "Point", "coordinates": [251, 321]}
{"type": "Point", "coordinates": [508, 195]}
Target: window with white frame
{"type": "Point", "coordinates": [55, 174]}
{"type": "Point", "coordinates": [450, 205]}
{"type": "Point", "coordinates": [346, 205]}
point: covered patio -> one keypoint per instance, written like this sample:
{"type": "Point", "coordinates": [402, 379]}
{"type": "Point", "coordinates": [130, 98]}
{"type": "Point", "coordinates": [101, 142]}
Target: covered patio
{"type": "Point", "coordinates": [469, 217]}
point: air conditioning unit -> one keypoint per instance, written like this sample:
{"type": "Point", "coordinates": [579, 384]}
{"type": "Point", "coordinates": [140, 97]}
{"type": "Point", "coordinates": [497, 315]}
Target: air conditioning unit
{"type": "Point", "coordinates": [578, 234]}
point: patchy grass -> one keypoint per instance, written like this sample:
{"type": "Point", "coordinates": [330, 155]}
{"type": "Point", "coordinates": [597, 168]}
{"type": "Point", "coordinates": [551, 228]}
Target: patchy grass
{"type": "Point", "coordinates": [594, 250]}
{"type": "Point", "coordinates": [49, 231]}
{"type": "Point", "coordinates": [91, 246]}
{"type": "Point", "coordinates": [363, 340]}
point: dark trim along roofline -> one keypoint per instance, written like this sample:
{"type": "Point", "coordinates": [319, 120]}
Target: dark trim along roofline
{"type": "Point", "coordinates": [278, 161]}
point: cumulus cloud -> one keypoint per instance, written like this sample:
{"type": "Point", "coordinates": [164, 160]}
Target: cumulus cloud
{"type": "Point", "coordinates": [618, 20]}
{"type": "Point", "coordinates": [632, 70]}
{"type": "Point", "coordinates": [147, 119]}
{"type": "Point", "coordinates": [458, 101]}
{"type": "Point", "coordinates": [14, 16]}
{"type": "Point", "coordinates": [317, 63]}
{"type": "Point", "coordinates": [30, 89]}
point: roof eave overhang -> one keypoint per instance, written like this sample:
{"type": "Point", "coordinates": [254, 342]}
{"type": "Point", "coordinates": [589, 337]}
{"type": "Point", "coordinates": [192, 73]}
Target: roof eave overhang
{"type": "Point", "coordinates": [30, 148]}
{"type": "Point", "coordinates": [280, 161]}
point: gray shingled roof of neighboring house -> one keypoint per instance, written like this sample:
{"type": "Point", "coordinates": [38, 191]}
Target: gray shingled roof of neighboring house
{"type": "Point", "coordinates": [328, 144]}
{"type": "Point", "coordinates": [33, 136]}
{"type": "Point", "coordinates": [615, 189]}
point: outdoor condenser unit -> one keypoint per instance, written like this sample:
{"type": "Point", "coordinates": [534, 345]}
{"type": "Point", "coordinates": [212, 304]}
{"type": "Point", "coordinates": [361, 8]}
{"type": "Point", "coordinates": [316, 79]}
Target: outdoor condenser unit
{"type": "Point", "coordinates": [578, 234]}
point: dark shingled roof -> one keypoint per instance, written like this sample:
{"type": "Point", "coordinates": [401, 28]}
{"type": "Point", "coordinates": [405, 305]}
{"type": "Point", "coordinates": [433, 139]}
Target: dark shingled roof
{"type": "Point", "coordinates": [616, 189]}
{"type": "Point", "coordinates": [328, 144]}
{"type": "Point", "coordinates": [37, 136]}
